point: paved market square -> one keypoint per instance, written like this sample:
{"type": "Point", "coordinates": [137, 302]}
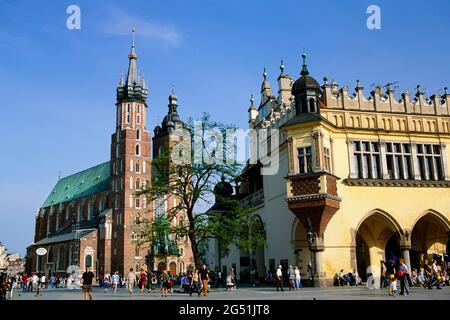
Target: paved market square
{"type": "Point", "coordinates": [244, 293]}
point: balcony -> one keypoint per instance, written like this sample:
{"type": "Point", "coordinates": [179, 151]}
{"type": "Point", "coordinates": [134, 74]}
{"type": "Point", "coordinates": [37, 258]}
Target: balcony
{"type": "Point", "coordinates": [313, 196]}
{"type": "Point", "coordinates": [311, 185]}
{"type": "Point", "coordinates": [255, 199]}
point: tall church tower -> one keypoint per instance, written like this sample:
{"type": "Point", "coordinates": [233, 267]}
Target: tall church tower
{"type": "Point", "coordinates": [130, 167]}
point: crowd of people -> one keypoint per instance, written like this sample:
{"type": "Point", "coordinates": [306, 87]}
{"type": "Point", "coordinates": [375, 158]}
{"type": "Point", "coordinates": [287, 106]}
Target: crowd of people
{"type": "Point", "coordinates": [199, 282]}
{"type": "Point", "coordinates": [196, 281]}
{"type": "Point", "coordinates": [33, 282]}
{"type": "Point", "coordinates": [428, 276]}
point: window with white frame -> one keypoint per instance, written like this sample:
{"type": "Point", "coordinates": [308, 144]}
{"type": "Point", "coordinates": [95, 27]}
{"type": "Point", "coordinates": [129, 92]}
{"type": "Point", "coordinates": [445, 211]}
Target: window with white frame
{"type": "Point", "coordinates": [399, 161]}
{"type": "Point", "coordinates": [327, 159]}
{"type": "Point", "coordinates": [137, 251]}
{"type": "Point", "coordinates": [128, 113]}
{"type": "Point", "coordinates": [137, 202]}
{"type": "Point", "coordinates": [138, 166]}
{"type": "Point", "coordinates": [159, 206]}
{"type": "Point", "coordinates": [138, 150]}
{"type": "Point", "coordinates": [366, 159]}
{"type": "Point", "coordinates": [138, 184]}
{"type": "Point", "coordinates": [305, 159]}
{"type": "Point", "coordinates": [430, 162]}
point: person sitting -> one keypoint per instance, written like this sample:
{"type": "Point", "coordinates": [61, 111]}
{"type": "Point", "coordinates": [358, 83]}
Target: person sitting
{"type": "Point", "coordinates": [414, 277]}
{"type": "Point", "coordinates": [185, 284]}
{"type": "Point", "coordinates": [230, 283]}
{"type": "Point", "coordinates": [342, 278]}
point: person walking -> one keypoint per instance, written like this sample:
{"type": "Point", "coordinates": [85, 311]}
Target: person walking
{"type": "Point", "coordinates": [34, 283]}
{"type": "Point", "coordinates": [106, 281]}
{"type": "Point", "coordinates": [279, 278]}
{"type": "Point", "coordinates": [86, 281]}
{"type": "Point", "coordinates": [218, 278]}
{"type": "Point", "coordinates": [403, 273]}
{"type": "Point", "coordinates": [131, 280]}
{"type": "Point", "coordinates": [165, 283]}
{"type": "Point", "coordinates": [233, 277]}
{"type": "Point", "coordinates": [142, 280]}
{"type": "Point", "coordinates": [25, 282]}
{"type": "Point", "coordinates": [204, 277]}
{"type": "Point", "coordinates": [43, 281]}
{"type": "Point", "coordinates": [298, 282]}
{"type": "Point", "coordinates": [115, 280]}
{"type": "Point", "coordinates": [384, 276]}
{"type": "Point", "coordinates": [53, 281]}
{"type": "Point", "coordinates": [195, 283]}
{"type": "Point", "coordinates": [291, 278]}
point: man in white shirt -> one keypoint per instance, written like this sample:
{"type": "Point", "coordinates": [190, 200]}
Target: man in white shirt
{"type": "Point", "coordinates": [43, 281]}
{"type": "Point", "coordinates": [279, 278]}
{"type": "Point", "coordinates": [115, 280]}
{"type": "Point", "coordinates": [131, 280]}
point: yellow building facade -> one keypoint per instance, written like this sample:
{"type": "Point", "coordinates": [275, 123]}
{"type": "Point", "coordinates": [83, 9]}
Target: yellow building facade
{"type": "Point", "coordinates": [367, 177]}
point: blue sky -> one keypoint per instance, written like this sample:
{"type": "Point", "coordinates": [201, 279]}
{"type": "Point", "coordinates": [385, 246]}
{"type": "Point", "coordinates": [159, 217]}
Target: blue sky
{"type": "Point", "coordinates": [58, 85]}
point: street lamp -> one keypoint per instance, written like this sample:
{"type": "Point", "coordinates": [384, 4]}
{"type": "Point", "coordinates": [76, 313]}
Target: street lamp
{"type": "Point", "coordinates": [310, 240]}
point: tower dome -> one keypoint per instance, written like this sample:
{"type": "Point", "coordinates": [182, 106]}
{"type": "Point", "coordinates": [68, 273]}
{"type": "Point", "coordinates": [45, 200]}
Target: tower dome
{"type": "Point", "coordinates": [305, 82]}
{"type": "Point", "coordinates": [306, 91]}
{"type": "Point", "coordinates": [223, 189]}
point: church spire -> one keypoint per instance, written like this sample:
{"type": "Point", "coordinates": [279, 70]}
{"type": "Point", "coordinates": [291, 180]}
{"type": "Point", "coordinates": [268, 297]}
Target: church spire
{"type": "Point", "coordinates": [132, 68]}
{"type": "Point", "coordinates": [134, 86]}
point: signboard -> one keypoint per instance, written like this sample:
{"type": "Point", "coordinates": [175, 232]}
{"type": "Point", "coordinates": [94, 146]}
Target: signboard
{"type": "Point", "coordinates": [41, 251]}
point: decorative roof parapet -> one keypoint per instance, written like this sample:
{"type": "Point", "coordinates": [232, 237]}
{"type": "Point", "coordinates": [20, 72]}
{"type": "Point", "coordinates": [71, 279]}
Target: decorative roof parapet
{"type": "Point", "coordinates": [380, 101]}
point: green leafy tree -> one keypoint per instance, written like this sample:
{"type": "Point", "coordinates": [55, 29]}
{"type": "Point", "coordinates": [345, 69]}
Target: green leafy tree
{"type": "Point", "coordinates": [189, 171]}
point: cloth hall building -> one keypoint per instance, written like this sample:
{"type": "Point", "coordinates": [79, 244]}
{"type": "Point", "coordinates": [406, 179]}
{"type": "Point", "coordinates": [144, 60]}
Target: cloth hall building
{"type": "Point", "coordinates": [361, 178]}
{"type": "Point", "coordinates": [88, 217]}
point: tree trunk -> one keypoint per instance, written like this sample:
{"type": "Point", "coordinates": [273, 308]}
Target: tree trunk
{"type": "Point", "coordinates": [193, 238]}
{"type": "Point", "coordinates": [195, 252]}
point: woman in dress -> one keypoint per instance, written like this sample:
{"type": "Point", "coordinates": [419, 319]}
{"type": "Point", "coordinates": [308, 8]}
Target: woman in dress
{"type": "Point", "coordinates": [142, 280]}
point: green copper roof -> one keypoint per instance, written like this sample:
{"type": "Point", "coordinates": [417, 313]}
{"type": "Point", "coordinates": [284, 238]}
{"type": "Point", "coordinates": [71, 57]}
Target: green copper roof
{"type": "Point", "coordinates": [80, 184]}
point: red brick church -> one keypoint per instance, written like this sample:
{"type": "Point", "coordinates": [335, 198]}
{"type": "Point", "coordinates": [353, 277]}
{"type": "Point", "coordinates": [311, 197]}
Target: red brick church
{"type": "Point", "coordinates": [88, 217]}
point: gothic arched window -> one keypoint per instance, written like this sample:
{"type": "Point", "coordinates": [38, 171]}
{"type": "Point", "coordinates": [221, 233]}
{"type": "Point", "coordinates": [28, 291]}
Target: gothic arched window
{"type": "Point", "coordinates": [138, 166]}
{"type": "Point", "coordinates": [138, 150]}
{"type": "Point", "coordinates": [138, 133]}
{"type": "Point", "coordinates": [138, 184]}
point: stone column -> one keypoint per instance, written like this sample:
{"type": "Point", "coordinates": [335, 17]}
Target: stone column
{"type": "Point", "coordinates": [405, 246]}
{"type": "Point", "coordinates": [376, 255]}
{"type": "Point", "coordinates": [317, 249]}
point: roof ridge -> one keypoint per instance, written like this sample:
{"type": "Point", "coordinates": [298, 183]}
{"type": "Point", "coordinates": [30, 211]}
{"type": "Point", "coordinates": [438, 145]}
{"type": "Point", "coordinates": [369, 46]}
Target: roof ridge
{"type": "Point", "coordinates": [80, 184]}
{"type": "Point", "coordinates": [78, 172]}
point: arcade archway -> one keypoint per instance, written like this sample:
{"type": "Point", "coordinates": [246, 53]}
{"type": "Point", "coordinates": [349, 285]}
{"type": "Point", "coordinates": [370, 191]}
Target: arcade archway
{"type": "Point", "coordinates": [429, 239]}
{"type": "Point", "coordinates": [302, 253]}
{"type": "Point", "coordinates": [377, 239]}
{"type": "Point", "coordinates": [258, 256]}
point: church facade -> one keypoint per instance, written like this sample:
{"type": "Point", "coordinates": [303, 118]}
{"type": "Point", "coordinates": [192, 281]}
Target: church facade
{"type": "Point", "coordinates": [361, 179]}
{"type": "Point", "coordinates": [89, 217]}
